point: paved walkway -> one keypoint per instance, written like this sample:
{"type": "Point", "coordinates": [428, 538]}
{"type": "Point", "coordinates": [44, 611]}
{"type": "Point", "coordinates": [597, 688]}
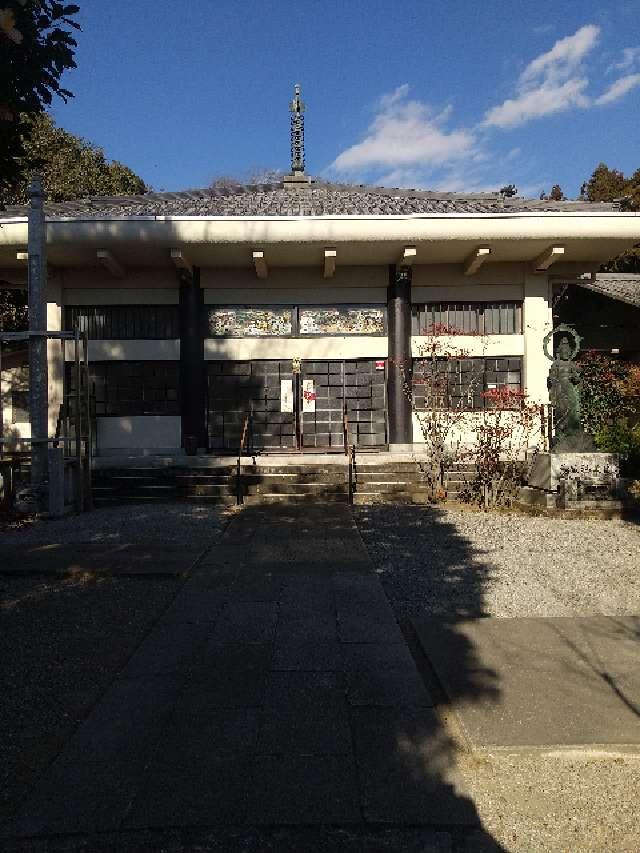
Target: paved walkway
{"type": "Point", "coordinates": [276, 691]}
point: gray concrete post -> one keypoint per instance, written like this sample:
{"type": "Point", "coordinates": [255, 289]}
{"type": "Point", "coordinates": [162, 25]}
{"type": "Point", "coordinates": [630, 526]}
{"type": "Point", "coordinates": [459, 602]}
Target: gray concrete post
{"type": "Point", "coordinates": [56, 482]}
{"type": "Point", "coordinates": [38, 372]}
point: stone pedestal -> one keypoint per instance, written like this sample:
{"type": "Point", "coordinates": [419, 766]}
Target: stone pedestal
{"type": "Point", "coordinates": [590, 469]}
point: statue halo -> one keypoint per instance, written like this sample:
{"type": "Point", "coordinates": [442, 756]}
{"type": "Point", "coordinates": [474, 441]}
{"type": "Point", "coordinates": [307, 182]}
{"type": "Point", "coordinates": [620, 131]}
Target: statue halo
{"type": "Point", "coordinates": [577, 340]}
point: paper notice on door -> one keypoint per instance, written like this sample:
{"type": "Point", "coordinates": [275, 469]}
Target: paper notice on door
{"type": "Point", "coordinates": [308, 396]}
{"type": "Point", "coordinates": [286, 395]}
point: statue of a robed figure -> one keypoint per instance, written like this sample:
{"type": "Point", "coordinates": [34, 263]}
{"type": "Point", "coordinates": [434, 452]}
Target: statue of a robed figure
{"type": "Point", "coordinates": [564, 392]}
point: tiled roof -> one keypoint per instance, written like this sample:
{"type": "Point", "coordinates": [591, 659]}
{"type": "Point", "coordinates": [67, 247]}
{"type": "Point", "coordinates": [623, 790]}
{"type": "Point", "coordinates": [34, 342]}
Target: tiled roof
{"type": "Point", "coordinates": [625, 287]}
{"type": "Point", "coordinates": [315, 199]}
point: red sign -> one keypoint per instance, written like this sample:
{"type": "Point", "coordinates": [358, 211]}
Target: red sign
{"type": "Point", "coordinates": [380, 365]}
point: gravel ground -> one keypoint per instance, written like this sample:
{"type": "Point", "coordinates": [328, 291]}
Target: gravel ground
{"type": "Point", "coordinates": [433, 560]}
{"type": "Point", "coordinates": [463, 564]}
{"type": "Point", "coordinates": [169, 523]}
{"type": "Point", "coordinates": [63, 640]}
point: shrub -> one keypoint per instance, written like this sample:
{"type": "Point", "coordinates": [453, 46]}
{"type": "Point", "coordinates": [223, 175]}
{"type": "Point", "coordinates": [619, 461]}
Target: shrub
{"type": "Point", "coordinates": [625, 440]}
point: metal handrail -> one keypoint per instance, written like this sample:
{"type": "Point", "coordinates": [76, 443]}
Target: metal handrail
{"type": "Point", "coordinates": [351, 455]}
{"type": "Point", "coordinates": [243, 437]}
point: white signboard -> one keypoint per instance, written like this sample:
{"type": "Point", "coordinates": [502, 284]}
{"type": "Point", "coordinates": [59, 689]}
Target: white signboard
{"type": "Point", "coordinates": [286, 395]}
{"type": "Point", "coordinates": [308, 396]}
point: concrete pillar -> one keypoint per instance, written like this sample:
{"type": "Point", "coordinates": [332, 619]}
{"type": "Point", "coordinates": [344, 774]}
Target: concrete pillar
{"type": "Point", "coordinates": [192, 366]}
{"type": "Point", "coordinates": [38, 373]}
{"type": "Point", "coordinates": [537, 321]}
{"type": "Point", "coordinates": [56, 482]}
{"type": "Point", "coordinates": [399, 371]}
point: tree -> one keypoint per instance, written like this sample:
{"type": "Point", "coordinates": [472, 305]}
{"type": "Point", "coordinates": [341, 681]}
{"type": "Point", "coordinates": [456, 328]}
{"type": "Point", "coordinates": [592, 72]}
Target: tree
{"type": "Point", "coordinates": [37, 47]}
{"type": "Point", "coordinates": [70, 166]}
{"type": "Point", "coordinates": [556, 193]}
{"type": "Point", "coordinates": [607, 184]}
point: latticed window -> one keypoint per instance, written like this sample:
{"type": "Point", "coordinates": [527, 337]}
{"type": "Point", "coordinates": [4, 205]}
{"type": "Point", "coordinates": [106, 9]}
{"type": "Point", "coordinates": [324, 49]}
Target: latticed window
{"type": "Point", "coordinates": [467, 318]}
{"type": "Point", "coordinates": [462, 383]}
{"type": "Point", "coordinates": [125, 322]}
{"type": "Point", "coordinates": [131, 388]}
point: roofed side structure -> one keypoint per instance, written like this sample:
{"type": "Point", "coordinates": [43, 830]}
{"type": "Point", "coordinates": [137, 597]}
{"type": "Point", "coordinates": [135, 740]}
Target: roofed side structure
{"type": "Point", "coordinates": [623, 287]}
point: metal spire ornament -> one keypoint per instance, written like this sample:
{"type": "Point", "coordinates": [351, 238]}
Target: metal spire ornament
{"type": "Point", "coordinates": [297, 132]}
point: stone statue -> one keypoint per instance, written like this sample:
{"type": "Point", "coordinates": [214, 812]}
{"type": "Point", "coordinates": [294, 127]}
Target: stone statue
{"type": "Point", "coordinates": [564, 389]}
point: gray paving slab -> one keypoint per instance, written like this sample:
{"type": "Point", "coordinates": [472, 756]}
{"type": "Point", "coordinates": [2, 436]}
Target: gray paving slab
{"type": "Point", "coordinates": [540, 682]}
{"type": "Point", "coordinates": [109, 559]}
{"type": "Point", "coordinates": [304, 789]}
{"type": "Point", "coordinates": [309, 720]}
{"type": "Point", "coordinates": [246, 622]}
{"type": "Point", "coordinates": [276, 690]}
{"type": "Point", "coordinates": [405, 770]}
{"type": "Point", "coordinates": [212, 791]}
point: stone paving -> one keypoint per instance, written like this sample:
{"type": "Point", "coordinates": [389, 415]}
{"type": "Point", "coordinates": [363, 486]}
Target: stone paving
{"type": "Point", "coordinates": [277, 690]}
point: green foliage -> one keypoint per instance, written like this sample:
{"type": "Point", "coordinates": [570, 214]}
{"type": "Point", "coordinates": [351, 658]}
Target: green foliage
{"type": "Point", "coordinates": [13, 309]}
{"type": "Point", "coordinates": [607, 184]}
{"type": "Point", "coordinates": [36, 48]}
{"type": "Point", "coordinates": [603, 393]}
{"type": "Point", "coordinates": [71, 167]}
{"type": "Point", "coordinates": [624, 439]}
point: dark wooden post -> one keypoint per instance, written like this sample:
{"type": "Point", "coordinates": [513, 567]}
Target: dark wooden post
{"type": "Point", "coordinates": [399, 330]}
{"type": "Point", "coordinates": [192, 368]}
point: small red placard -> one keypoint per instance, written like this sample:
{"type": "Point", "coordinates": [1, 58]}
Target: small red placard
{"type": "Point", "coordinates": [380, 365]}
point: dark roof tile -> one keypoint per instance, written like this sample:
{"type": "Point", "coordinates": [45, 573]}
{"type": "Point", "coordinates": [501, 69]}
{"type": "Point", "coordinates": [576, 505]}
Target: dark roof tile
{"type": "Point", "coordinates": [316, 199]}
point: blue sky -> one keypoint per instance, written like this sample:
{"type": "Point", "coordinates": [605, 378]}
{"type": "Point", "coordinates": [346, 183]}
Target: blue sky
{"type": "Point", "coordinates": [447, 94]}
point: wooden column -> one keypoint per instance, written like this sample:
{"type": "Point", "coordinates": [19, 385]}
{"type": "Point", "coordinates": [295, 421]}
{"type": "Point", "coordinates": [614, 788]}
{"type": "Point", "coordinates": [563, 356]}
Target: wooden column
{"type": "Point", "coordinates": [192, 366]}
{"type": "Point", "coordinates": [399, 330]}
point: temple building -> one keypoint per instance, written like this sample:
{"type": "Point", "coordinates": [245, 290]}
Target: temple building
{"type": "Point", "coordinates": [297, 302]}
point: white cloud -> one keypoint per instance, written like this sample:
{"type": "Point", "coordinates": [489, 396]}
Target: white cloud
{"type": "Point", "coordinates": [618, 89]}
{"type": "Point", "coordinates": [553, 82]}
{"type": "Point", "coordinates": [564, 57]}
{"type": "Point", "coordinates": [406, 133]}
{"type": "Point", "coordinates": [630, 56]}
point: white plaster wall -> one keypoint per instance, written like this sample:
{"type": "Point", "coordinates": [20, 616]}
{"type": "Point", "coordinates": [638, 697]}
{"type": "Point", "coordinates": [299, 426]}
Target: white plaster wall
{"type": "Point", "coordinates": [12, 433]}
{"type": "Point", "coordinates": [296, 278]}
{"type": "Point", "coordinates": [121, 296]}
{"type": "Point", "coordinates": [220, 349]}
{"type": "Point", "coordinates": [145, 432]}
{"type": "Point", "coordinates": [96, 278]}
{"type": "Point", "coordinates": [135, 350]}
{"type": "Point", "coordinates": [537, 321]}
{"type": "Point", "coordinates": [302, 296]}
{"type": "Point", "coordinates": [472, 345]}
{"type": "Point", "coordinates": [463, 433]}
{"type": "Point", "coordinates": [55, 359]}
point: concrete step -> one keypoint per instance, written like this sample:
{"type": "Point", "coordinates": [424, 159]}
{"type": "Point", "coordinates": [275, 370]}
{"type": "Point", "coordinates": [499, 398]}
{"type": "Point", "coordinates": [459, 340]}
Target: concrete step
{"type": "Point", "coordinates": [387, 476]}
{"type": "Point", "coordinates": [317, 489]}
{"type": "Point", "coordinates": [413, 496]}
{"type": "Point", "coordinates": [270, 498]}
{"type": "Point", "coordinates": [307, 477]}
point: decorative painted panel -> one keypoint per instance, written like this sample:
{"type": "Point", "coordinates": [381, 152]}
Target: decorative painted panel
{"type": "Point", "coordinates": [342, 320]}
{"type": "Point", "coordinates": [250, 322]}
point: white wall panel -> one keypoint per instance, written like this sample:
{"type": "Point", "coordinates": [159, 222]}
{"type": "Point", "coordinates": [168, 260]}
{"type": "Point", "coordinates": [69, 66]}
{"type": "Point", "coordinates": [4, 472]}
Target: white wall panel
{"type": "Point", "coordinates": [129, 350]}
{"type": "Point", "coordinates": [244, 349]}
{"type": "Point", "coordinates": [145, 432]}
